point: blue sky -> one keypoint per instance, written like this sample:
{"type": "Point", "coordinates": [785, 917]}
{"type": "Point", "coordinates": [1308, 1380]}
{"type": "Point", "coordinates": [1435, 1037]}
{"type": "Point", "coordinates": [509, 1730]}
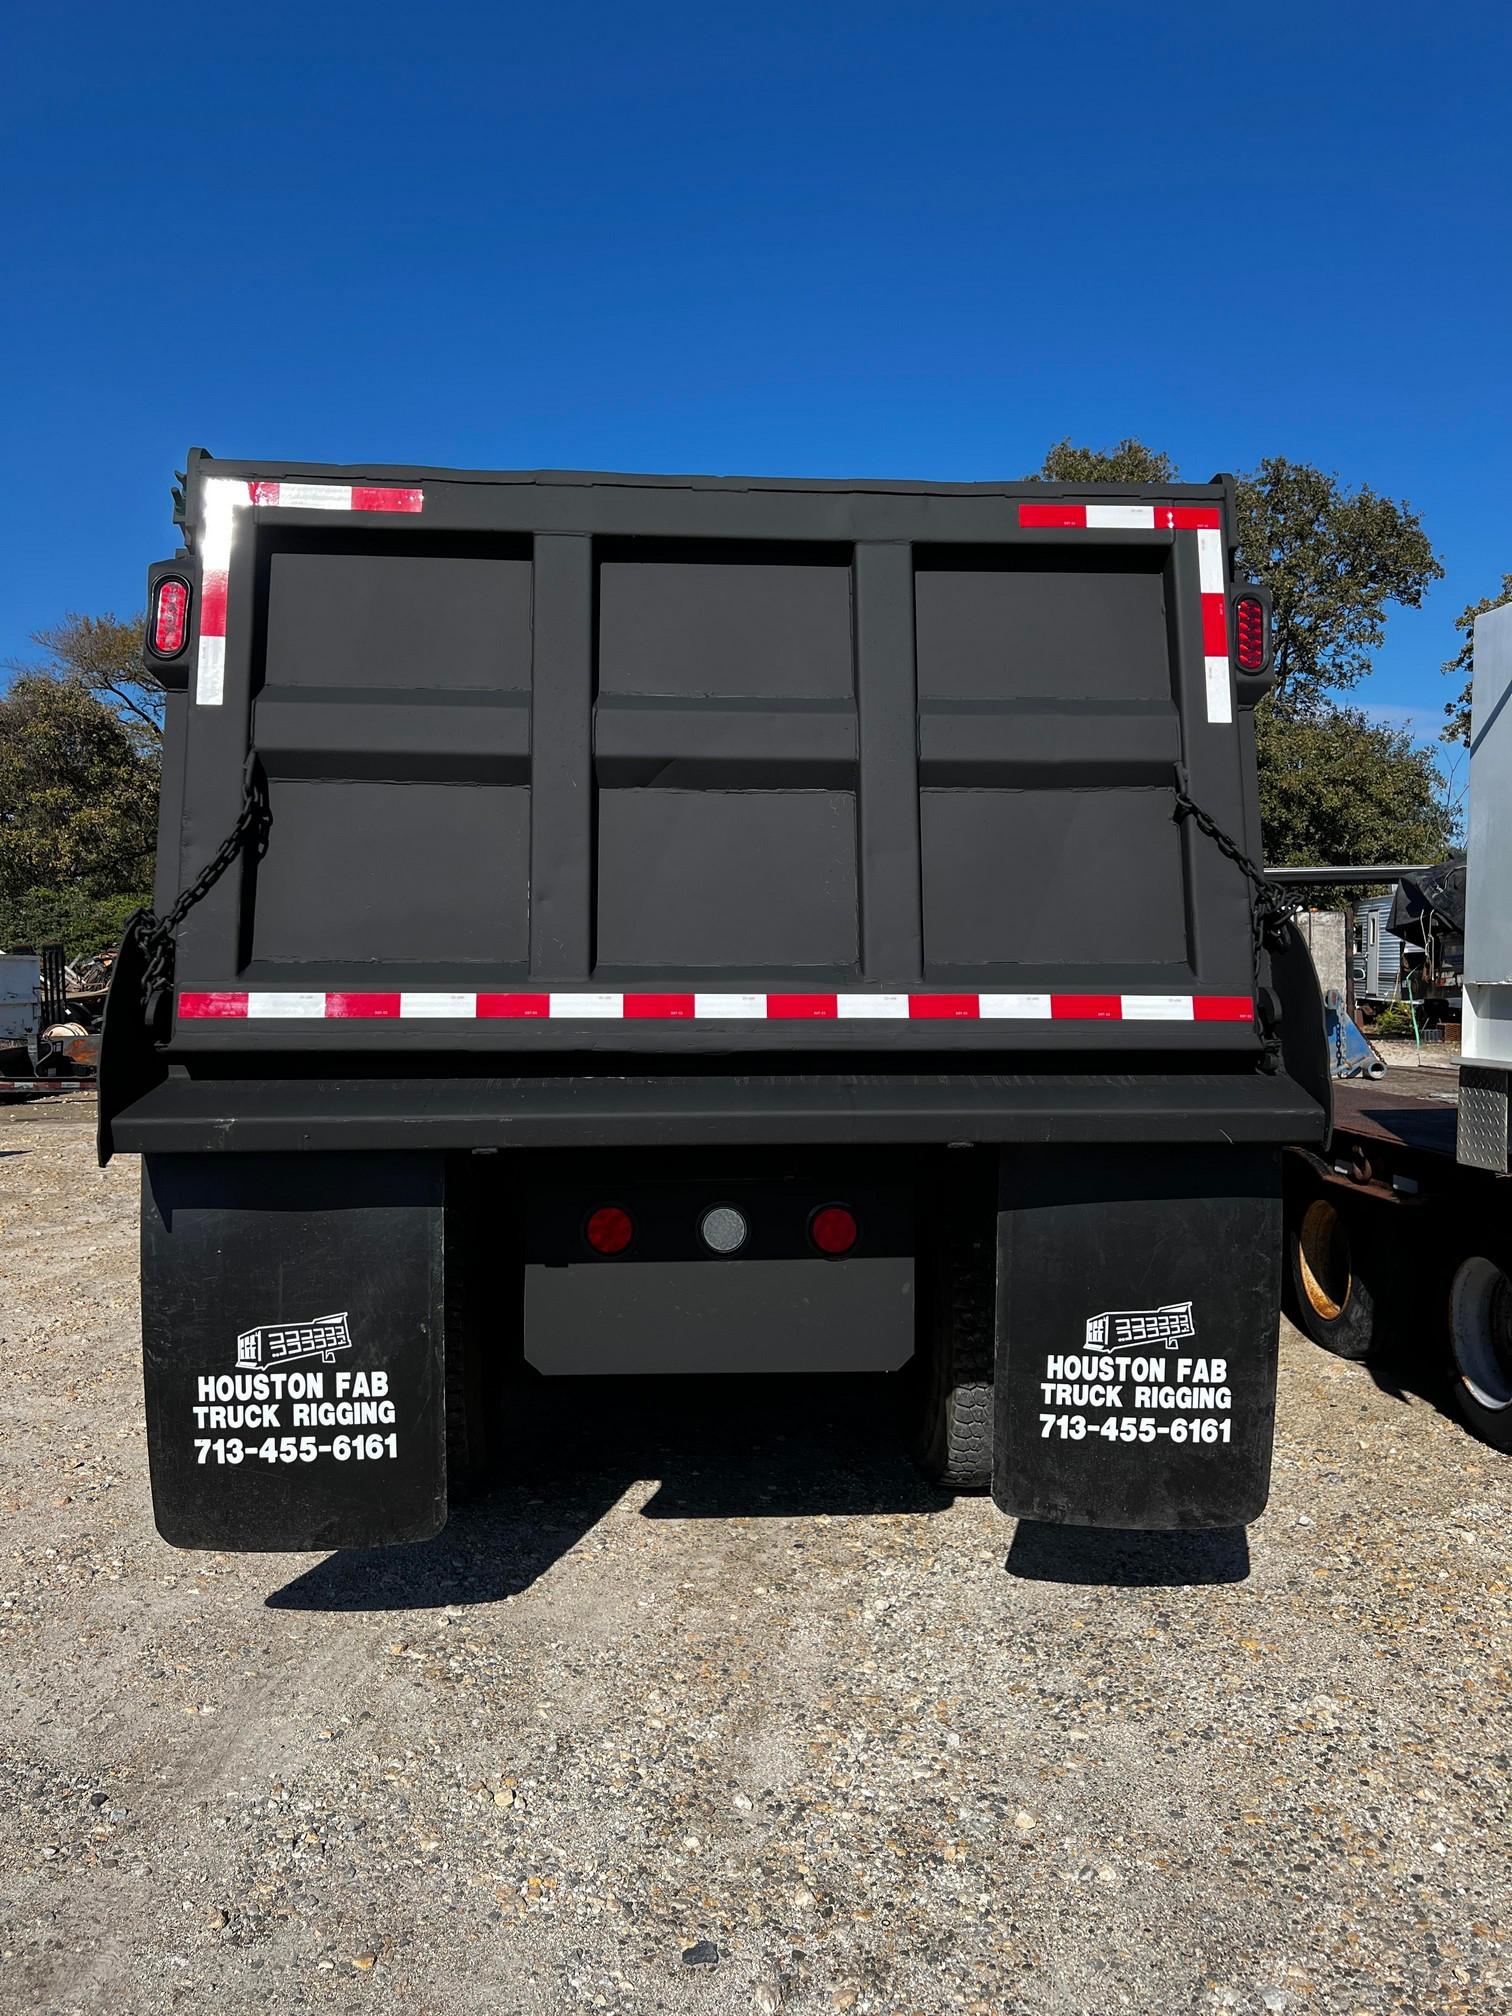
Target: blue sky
{"type": "Point", "coordinates": [810, 240]}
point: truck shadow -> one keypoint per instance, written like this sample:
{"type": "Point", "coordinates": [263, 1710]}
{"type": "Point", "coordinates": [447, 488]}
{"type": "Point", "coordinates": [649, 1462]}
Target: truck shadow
{"type": "Point", "coordinates": [1096, 1557]}
{"type": "Point", "coordinates": [728, 1448]}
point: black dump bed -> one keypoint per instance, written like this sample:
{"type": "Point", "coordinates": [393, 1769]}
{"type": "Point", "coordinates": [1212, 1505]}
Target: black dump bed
{"type": "Point", "coordinates": [580, 785]}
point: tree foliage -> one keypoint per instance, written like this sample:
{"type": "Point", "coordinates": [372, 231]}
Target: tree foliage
{"type": "Point", "coordinates": [103, 656]}
{"type": "Point", "coordinates": [1129, 462]}
{"type": "Point", "coordinates": [1335, 561]}
{"type": "Point", "coordinates": [78, 811]}
{"type": "Point", "coordinates": [1462, 664]}
{"type": "Point", "coordinates": [1336, 786]}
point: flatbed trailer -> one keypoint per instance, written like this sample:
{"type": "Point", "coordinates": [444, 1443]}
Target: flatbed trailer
{"type": "Point", "coordinates": [1400, 1225]}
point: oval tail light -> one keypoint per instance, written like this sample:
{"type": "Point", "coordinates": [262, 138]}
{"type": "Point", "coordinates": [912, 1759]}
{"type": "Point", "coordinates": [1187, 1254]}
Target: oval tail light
{"type": "Point", "coordinates": [168, 627]}
{"type": "Point", "coordinates": [1249, 633]}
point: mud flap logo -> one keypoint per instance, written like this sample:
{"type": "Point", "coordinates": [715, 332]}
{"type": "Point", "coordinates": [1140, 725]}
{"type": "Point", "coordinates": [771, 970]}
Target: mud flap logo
{"type": "Point", "coordinates": [1131, 1382]}
{"type": "Point", "coordinates": [1166, 1325]}
{"type": "Point", "coordinates": [286, 1343]}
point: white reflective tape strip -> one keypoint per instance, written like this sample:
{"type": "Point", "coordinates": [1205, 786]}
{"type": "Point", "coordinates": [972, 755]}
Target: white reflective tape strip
{"type": "Point", "coordinates": [421, 1005]}
{"type": "Point", "coordinates": [1157, 1007]}
{"type": "Point", "coordinates": [313, 497]}
{"type": "Point", "coordinates": [587, 1007]}
{"type": "Point", "coordinates": [730, 1007]}
{"type": "Point", "coordinates": [871, 1007]}
{"type": "Point", "coordinates": [1220, 698]}
{"type": "Point", "coordinates": [1121, 517]}
{"type": "Point", "coordinates": [217, 518]}
{"type": "Point", "coordinates": [286, 1007]}
{"type": "Point", "coordinates": [1014, 1007]}
{"type": "Point", "coordinates": [1209, 561]}
{"type": "Point", "coordinates": [210, 677]}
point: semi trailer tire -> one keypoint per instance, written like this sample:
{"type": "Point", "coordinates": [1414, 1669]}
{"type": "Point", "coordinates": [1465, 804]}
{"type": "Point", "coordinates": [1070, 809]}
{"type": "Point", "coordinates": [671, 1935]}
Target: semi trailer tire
{"type": "Point", "coordinates": [951, 1396]}
{"type": "Point", "coordinates": [1479, 1324]}
{"type": "Point", "coordinates": [1332, 1277]}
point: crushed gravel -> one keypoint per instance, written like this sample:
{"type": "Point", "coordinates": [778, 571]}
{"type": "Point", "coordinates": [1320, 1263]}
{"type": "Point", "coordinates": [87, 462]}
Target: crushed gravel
{"type": "Point", "coordinates": [716, 1707]}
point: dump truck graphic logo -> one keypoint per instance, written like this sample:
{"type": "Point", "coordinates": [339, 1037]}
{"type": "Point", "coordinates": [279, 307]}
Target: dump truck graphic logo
{"type": "Point", "coordinates": [1166, 1325]}
{"type": "Point", "coordinates": [283, 1343]}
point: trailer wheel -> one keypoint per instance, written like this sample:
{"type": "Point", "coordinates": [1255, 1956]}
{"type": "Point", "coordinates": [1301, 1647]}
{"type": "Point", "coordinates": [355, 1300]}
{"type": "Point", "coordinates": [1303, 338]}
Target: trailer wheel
{"type": "Point", "coordinates": [1330, 1301]}
{"type": "Point", "coordinates": [950, 1396]}
{"type": "Point", "coordinates": [1480, 1348]}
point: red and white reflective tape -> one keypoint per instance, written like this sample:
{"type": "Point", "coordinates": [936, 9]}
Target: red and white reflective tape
{"type": "Point", "coordinates": [47, 1084]}
{"type": "Point", "coordinates": [334, 497]}
{"type": "Point", "coordinates": [282, 1005]}
{"type": "Point", "coordinates": [224, 496]}
{"type": "Point", "coordinates": [1206, 520]}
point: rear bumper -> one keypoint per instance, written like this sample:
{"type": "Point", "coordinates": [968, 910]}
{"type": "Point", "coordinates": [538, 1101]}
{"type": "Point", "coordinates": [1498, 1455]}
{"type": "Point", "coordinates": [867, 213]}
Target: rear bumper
{"type": "Point", "coordinates": [183, 1115]}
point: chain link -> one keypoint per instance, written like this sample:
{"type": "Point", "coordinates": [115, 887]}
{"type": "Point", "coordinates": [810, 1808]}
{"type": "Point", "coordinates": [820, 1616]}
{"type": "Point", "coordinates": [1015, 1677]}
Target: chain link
{"type": "Point", "coordinates": [158, 934]}
{"type": "Point", "coordinates": [1269, 910]}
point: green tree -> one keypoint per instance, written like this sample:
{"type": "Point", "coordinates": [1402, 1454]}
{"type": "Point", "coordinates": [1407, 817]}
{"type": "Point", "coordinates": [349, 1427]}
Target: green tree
{"type": "Point", "coordinates": [78, 811]}
{"type": "Point", "coordinates": [1336, 786]}
{"type": "Point", "coordinates": [1129, 462]}
{"type": "Point", "coordinates": [1462, 664]}
{"type": "Point", "coordinates": [1335, 561]}
{"type": "Point", "coordinates": [103, 656]}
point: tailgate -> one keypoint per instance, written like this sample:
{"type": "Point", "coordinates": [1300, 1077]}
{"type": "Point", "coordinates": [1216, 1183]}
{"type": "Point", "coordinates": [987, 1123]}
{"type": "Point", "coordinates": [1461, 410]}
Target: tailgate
{"type": "Point", "coordinates": [572, 762]}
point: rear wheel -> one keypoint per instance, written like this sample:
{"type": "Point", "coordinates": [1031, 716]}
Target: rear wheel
{"type": "Point", "coordinates": [950, 1380]}
{"type": "Point", "coordinates": [1480, 1348]}
{"type": "Point", "coordinates": [1331, 1277]}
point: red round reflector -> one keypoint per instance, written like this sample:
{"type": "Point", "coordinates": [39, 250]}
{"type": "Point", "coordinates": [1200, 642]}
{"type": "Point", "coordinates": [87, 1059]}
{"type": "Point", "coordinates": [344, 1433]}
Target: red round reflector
{"type": "Point", "coordinates": [833, 1230]}
{"type": "Point", "coordinates": [609, 1229]}
{"type": "Point", "coordinates": [1249, 627]}
{"type": "Point", "coordinates": [170, 617]}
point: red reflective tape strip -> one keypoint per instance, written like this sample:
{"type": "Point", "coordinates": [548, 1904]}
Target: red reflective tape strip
{"type": "Point", "coordinates": [1052, 515]}
{"type": "Point", "coordinates": [1086, 1008]}
{"type": "Point", "coordinates": [944, 1007]}
{"type": "Point", "coordinates": [263, 493]}
{"type": "Point", "coordinates": [213, 603]}
{"type": "Point", "coordinates": [801, 1008]}
{"type": "Point", "coordinates": [1214, 626]}
{"type": "Point", "coordinates": [362, 1007]}
{"type": "Point", "coordinates": [212, 1007]}
{"type": "Point", "coordinates": [1168, 517]}
{"type": "Point", "coordinates": [1222, 1008]}
{"type": "Point", "coordinates": [367, 498]}
{"type": "Point", "coordinates": [1188, 518]}
{"type": "Point", "coordinates": [514, 1007]}
{"type": "Point", "coordinates": [658, 1007]}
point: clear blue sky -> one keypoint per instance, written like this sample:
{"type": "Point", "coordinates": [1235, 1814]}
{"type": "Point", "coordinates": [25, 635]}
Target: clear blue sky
{"type": "Point", "coordinates": [790, 239]}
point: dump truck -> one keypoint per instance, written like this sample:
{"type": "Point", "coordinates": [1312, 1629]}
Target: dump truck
{"type": "Point", "coordinates": [1399, 1226]}
{"type": "Point", "coordinates": [620, 924]}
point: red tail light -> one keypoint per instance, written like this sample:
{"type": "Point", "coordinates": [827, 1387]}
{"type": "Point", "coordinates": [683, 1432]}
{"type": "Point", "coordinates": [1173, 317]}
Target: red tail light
{"type": "Point", "coordinates": [1249, 633]}
{"type": "Point", "coordinates": [609, 1230]}
{"type": "Point", "coordinates": [169, 629]}
{"type": "Point", "coordinates": [833, 1230]}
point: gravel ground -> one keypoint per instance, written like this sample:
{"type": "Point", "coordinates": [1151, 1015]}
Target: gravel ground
{"type": "Point", "coordinates": [727, 1712]}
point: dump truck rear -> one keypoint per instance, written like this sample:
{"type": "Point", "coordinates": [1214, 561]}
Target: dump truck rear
{"type": "Point", "coordinates": [635, 924]}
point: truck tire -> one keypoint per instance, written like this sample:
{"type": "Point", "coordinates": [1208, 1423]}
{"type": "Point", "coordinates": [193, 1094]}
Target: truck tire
{"type": "Point", "coordinates": [1479, 1323]}
{"type": "Point", "coordinates": [1331, 1276]}
{"type": "Point", "coordinates": [950, 1398]}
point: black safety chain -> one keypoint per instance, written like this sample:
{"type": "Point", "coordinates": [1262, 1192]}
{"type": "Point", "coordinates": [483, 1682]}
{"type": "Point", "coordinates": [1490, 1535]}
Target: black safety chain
{"type": "Point", "coordinates": [1269, 909]}
{"type": "Point", "coordinates": [157, 935]}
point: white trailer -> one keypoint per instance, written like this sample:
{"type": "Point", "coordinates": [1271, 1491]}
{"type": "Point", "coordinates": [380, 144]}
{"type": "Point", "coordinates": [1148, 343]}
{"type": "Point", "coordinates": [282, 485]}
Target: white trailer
{"type": "Point", "coordinates": [1400, 1231]}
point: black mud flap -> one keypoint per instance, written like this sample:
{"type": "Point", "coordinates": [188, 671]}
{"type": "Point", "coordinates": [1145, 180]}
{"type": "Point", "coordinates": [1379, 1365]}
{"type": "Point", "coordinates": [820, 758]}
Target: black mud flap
{"type": "Point", "coordinates": [1138, 1312]}
{"type": "Point", "coordinates": [292, 1349]}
